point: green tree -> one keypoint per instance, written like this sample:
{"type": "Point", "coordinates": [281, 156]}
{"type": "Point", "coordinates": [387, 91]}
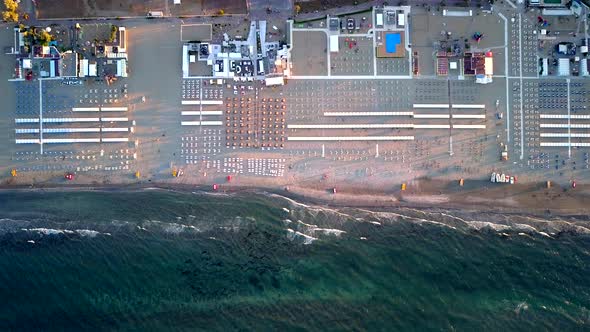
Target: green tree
{"type": "Point", "coordinates": [11, 5]}
{"type": "Point", "coordinates": [9, 16]}
{"type": "Point", "coordinates": [44, 37]}
{"type": "Point", "coordinates": [113, 35]}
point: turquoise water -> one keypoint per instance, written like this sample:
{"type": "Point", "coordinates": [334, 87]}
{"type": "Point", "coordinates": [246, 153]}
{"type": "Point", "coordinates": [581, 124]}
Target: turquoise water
{"type": "Point", "coordinates": [155, 260]}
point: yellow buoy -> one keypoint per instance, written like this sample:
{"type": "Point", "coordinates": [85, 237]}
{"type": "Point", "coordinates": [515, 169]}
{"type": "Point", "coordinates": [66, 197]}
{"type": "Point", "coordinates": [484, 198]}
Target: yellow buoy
{"type": "Point", "coordinates": [13, 172]}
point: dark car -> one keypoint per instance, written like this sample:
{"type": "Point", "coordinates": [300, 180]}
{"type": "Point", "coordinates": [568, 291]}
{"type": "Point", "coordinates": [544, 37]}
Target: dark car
{"type": "Point", "coordinates": [350, 24]}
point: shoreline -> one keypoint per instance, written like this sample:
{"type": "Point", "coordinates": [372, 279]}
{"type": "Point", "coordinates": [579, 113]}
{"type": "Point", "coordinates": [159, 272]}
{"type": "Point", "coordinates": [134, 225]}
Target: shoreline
{"type": "Point", "coordinates": [503, 199]}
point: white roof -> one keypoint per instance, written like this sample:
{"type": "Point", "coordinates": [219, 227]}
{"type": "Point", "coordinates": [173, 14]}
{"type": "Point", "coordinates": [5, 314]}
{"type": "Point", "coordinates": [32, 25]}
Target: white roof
{"type": "Point", "coordinates": [489, 66]}
{"type": "Point", "coordinates": [379, 20]}
{"type": "Point", "coordinates": [334, 43]}
{"type": "Point", "coordinates": [557, 12]}
{"type": "Point", "coordinates": [83, 68]}
{"type": "Point", "coordinates": [401, 19]}
{"type": "Point", "coordinates": [122, 68]}
{"type": "Point", "coordinates": [564, 67]}
{"type": "Point", "coordinates": [584, 67]}
{"type": "Point", "coordinates": [52, 72]}
{"type": "Point", "coordinates": [27, 64]}
{"type": "Point", "coordinates": [92, 69]}
{"type": "Point", "coordinates": [274, 81]}
{"type": "Point", "coordinates": [545, 70]}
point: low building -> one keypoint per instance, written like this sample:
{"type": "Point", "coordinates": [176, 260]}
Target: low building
{"type": "Point", "coordinates": [278, 80]}
{"type": "Point", "coordinates": [34, 59]}
{"type": "Point", "coordinates": [480, 65]}
{"type": "Point", "coordinates": [109, 57]}
{"type": "Point", "coordinates": [585, 67]}
{"type": "Point", "coordinates": [548, 3]}
{"type": "Point", "coordinates": [334, 44]}
{"type": "Point", "coordinates": [544, 63]}
{"type": "Point", "coordinates": [563, 67]}
{"type": "Point", "coordinates": [253, 57]}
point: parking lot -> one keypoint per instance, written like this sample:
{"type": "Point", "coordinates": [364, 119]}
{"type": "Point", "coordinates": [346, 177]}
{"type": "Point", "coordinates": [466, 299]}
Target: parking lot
{"type": "Point", "coordinates": [361, 23]}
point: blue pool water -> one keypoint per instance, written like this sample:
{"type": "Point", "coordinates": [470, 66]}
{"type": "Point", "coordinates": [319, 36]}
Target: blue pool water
{"type": "Point", "coordinates": [391, 42]}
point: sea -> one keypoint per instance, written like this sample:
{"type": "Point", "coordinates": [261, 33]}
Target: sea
{"type": "Point", "coordinates": [160, 260]}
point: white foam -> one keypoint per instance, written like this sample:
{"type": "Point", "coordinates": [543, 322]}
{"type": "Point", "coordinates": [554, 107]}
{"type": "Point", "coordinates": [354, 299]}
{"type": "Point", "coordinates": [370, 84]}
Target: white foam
{"type": "Point", "coordinates": [291, 234]}
{"type": "Point", "coordinates": [292, 201]}
{"type": "Point", "coordinates": [51, 231]}
{"type": "Point", "coordinates": [87, 232]}
{"type": "Point", "coordinates": [330, 231]}
{"type": "Point", "coordinates": [308, 225]}
{"type": "Point", "coordinates": [45, 231]}
{"type": "Point", "coordinates": [479, 225]}
{"type": "Point", "coordinates": [178, 228]}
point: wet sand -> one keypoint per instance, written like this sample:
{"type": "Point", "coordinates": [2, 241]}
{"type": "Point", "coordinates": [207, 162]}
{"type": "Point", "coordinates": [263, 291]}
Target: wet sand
{"type": "Point", "coordinates": [533, 199]}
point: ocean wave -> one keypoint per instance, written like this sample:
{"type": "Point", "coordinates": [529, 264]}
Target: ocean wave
{"type": "Point", "coordinates": [52, 231]}
{"type": "Point", "coordinates": [169, 227]}
{"type": "Point", "coordinates": [292, 235]}
{"type": "Point", "coordinates": [290, 200]}
{"type": "Point", "coordinates": [48, 231]}
{"type": "Point", "coordinates": [90, 233]}
{"type": "Point", "coordinates": [460, 220]}
{"type": "Point", "coordinates": [313, 230]}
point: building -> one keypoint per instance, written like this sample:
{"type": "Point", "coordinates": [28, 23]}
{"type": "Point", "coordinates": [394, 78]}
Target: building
{"type": "Point", "coordinates": [563, 67]}
{"type": "Point", "coordinates": [39, 60]}
{"type": "Point", "coordinates": [480, 65]}
{"type": "Point", "coordinates": [548, 3]}
{"type": "Point", "coordinates": [334, 44]}
{"type": "Point", "coordinates": [253, 57]}
{"type": "Point", "coordinates": [108, 59]}
{"type": "Point", "coordinates": [544, 67]}
{"type": "Point", "coordinates": [585, 67]}
{"type": "Point", "coordinates": [392, 32]}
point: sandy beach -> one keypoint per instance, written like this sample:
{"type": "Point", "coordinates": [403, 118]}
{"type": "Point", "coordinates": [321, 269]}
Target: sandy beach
{"type": "Point", "coordinates": [532, 199]}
